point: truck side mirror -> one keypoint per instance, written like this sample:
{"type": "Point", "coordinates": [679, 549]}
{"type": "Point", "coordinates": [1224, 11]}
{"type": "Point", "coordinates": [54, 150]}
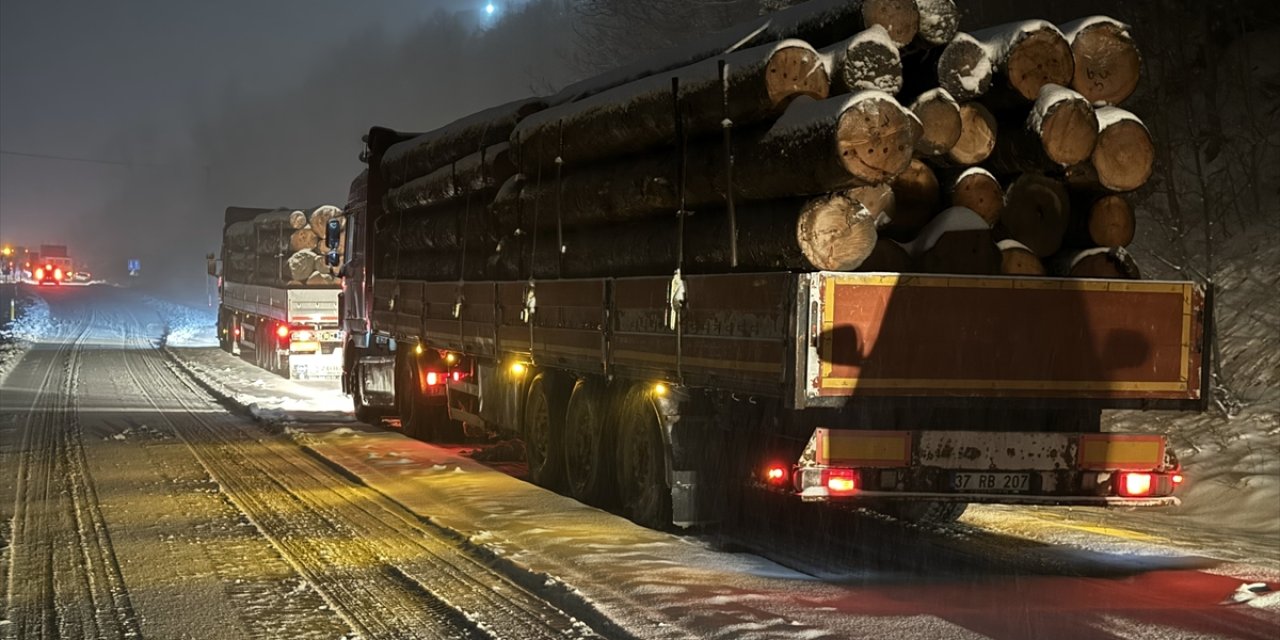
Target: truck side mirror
{"type": "Point", "coordinates": [331, 258]}
{"type": "Point", "coordinates": [333, 234]}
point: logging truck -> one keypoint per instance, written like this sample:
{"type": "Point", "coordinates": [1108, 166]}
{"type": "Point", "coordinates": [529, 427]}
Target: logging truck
{"type": "Point", "coordinates": [277, 308]}
{"type": "Point", "coordinates": [735, 264]}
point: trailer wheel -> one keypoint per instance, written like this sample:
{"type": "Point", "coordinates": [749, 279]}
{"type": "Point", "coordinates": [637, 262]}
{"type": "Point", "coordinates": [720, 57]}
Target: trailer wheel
{"type": "Point", "coordinates": [587, 455]}
{"type": "Point", "coordinates": [543, 422]}
{"type": "Point", "coordinates": [641, 462]}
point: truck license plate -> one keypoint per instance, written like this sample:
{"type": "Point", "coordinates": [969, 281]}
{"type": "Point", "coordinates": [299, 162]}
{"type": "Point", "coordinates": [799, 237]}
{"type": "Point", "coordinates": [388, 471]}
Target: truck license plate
{"type": "Point", "coordinates": [991, 482]}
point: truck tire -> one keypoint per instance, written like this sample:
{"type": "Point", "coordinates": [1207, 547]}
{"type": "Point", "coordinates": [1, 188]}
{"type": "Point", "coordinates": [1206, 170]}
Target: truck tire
{"type": "Point", "coordinates": [641, 462]}
{"type": "Point", "coordinates": [588, 456]}
{"type": "Point", "coordinates": [363, 412]}
{"type": "Point", "coordinates": [543, 427]}
{"type": "Point", "coordinates": [926, 512]}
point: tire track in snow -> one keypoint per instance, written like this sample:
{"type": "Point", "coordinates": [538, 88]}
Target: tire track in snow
{"type": "Point", "coordinates": [381, 569]}
{"type": "Point", "coordinates": [64, 578]}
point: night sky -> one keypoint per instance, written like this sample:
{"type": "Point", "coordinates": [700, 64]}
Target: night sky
{"type": "Point", "coordinates": [155, 112]}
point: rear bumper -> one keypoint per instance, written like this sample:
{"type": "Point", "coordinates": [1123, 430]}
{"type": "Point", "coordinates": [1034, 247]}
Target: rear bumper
{"type": "Point", "coordinates": [988, 498]}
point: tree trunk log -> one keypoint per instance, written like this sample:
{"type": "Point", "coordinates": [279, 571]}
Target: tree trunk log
{"type": "Point", "coordinates": [1099, 262]}
{"type": "Point", "coordinates": [832, 232]}
{"type": "Point", "coordinates": [1036, 213]}
{"type": "Point", "coordinates": [1123, 158]}
{"type": "Point", "coordinates": [916, 199]}
{"type": "Point", "coordinates": [1107, 221]}
{"type": "Point", "coordinates": [868, 60]}
{"type": "Point", "coordinates": [1107, 62]}
{"type": "Point", "coordinates": [320, 218]}
{"type": "Point", "coordinates": [887, 256]}
{"type": "Point", "coordinates": [302, 239]}
{"type": "Point", "coordinates": [428, 152]}
{"type": "Point", "coordinates": [1017, 260]}
{"type": "Point", "coordinates": [821, 23]}
{"type": "Point", "coordinates": [483, 171]}
{"type": "Point", "coordinates": [978, 130]}
{"type": "Point", "coordinates": [298, 219]}
{"type": "Point", "coordinates": [1027, 55]}
{"type": "Point", "coordinates": [302, 264]}
{"type": "Point", "coordinates": [638, 116]}
{"type": "Point", "coordinates": [939, 22]}
{"type": "Point", "coordinates": [939, 117]}
{"type": "Point", "coordinates": [1060, 131]}
{"type": "Point", "coordinates": [816, 147]}
{"type": "Point", "coordinates": [976, 189]}
{"type": "Point", "coordinates": [965, 68]}
{"type": "Point", "coordinates": [447, 227]}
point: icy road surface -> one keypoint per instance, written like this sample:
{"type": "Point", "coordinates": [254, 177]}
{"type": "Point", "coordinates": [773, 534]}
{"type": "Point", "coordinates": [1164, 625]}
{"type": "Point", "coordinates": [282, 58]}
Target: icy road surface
{"type": "Point", "coordinates": [137, 503]}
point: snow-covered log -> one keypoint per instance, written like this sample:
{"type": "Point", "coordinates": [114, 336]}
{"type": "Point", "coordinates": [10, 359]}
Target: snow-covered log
{"type": "Point", "coordinates": [303, 239]}
{"type": "Point", "coordinates": [1107, 62]}
{"type": "Point", "coordinates": [956, 241]}
{"type": "Point", "coordinates": [916, 199]}
{"type": "Point", "coordinates": [939, 117]}
{"type": "Point", "coordinates": [978, 130]}
{"type": "Point", "coordinates": [868, 60]}
{"type": "Point", "coordinates": [1060, 131]}
{"type": "Point", "coordinates": [422, 154]}
{"type": "Point", "coordinates": [639, 116]}
{"type": "Point", "coordinates": [1036, 213]}
{"type": "Point", "coordinates": [485, 170]}
{"type": "Point", "coordinates": [815, 147]}
{"type": "Point", "coordinates": [1099, 262]}
{"type": "Point", "coordinates": [976, 189]}
{"type": "Point", "coordinates": [939, 21]}
{"type": "Point", "coordinates": [447, 227]}
{"type": "Point", "coordinates": [821, 23]}
{"type": "Point", "coordinates": [1123, 157]}
{"type": "Point", "coordinates": [1017, 260]}
{"type": "Point", "coordinates": [302, 264]}
{"type": "Point", "coordinates": [1107, 221]}
{"type": "Point", "coordinates": [965, 68]}
{"type": "Point", "coordinates": [1025, 56]}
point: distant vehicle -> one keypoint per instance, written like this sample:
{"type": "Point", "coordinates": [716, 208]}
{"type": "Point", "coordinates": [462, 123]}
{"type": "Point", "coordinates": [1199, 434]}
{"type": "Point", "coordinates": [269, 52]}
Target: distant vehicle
{"type": "Point", "coordinates": [277, 310]}
{"type": "Point", "coordinates": [49, 274]}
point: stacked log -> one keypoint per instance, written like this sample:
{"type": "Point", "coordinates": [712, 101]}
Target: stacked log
{"type": "Point", "coordinates": [277, 247]}
{"type": "Point", "coordinates": [833, 135]}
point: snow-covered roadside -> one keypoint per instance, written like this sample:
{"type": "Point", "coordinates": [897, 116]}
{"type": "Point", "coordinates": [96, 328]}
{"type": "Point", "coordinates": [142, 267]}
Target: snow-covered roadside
{"type": "Point", "coordinates": [268, 397]}
{"type": "Point", "coordinates": [33, 322]}
{"type": "Point", "coordinates": [186, 326]}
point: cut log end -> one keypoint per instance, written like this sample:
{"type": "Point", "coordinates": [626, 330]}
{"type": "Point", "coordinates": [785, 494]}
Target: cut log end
{"type": "Point", "coordinates": [940, 122]}
{"type": "Point", "coordinates": [1042, 57]}
{"type": "Point", "coordinates": [1107, 63]}
{"type": "Point", "coordinates": [795, 71]}
{"type": "Point", "coordinates": [870, 64]}
{"type": "Point", "coordinates": [965, 68]}
{"type": "Point", "coordinates": [1124, 156]}
{"type": "Point", "coordinates": [836, 233]}
{"type": "Point", "coordinates": [1111, 222]}
{"type": "Point", "coordinates": [876, 138]}
{"type": "Point", "coordinates": [1037, 212]}
{"type": "Point", "coordinates": [939, 20]}
{"type": "Point", "coordinates": [899, 17]}
{"type": "Point", "coordinates": [978, 190]}
{"type": "Point", "coordinates": [297, 219]}
{"type": "Point", "coordinates": [1069, 132]}
{"type": "Point", "coordinates": [1017, 260]}
{"type": "Point", "coordinates": [977, 135]}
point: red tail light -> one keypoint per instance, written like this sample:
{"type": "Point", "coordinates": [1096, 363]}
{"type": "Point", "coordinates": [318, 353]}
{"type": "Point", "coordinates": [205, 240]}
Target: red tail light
{"type": "Point", "coordinates": [282, 331]}
{"type": "Point", "coordinates": [1135, 484]}
{"type": "Point", "coordinates": [39, 273]}
{"type": "Point", "coordinates": [457, 375]}
{"type": "Point", "coordinates": [776, 475]}
{"type": "Point", "coordinates": [433, 378]}
{"type": "Point", "coordinates": [838, 480]}
{"type": "Point", "coordinates": [57, 274]}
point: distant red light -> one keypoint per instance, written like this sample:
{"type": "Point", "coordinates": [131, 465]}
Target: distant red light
{"type": "Point", "coordinates": [775, 474]}
{"type": "Point", "coordinates": [57, 274]}
{"type": "Point", "coordinates": [282, 331]}
{"type": "Point", "coordinates": [457, 375]}
{"type": "Point", "coordinates": [39, 273]}
{"type": "Point", "coordinates": [1177, 478]}
{"type": "Point", "coordinates": [433, 378]}
{"type": "Point", "coordinates": [840, 480]}
{"type": "Point", "coordinates": [236, 332]}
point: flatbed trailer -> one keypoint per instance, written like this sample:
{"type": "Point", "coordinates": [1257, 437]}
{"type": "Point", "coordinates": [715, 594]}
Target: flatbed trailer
{"type": "Point", "coordinates": [913, 393]}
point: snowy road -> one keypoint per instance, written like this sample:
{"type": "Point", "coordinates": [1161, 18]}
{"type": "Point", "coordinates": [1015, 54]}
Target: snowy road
{"type": "Point", "coordinates": [134, 504]}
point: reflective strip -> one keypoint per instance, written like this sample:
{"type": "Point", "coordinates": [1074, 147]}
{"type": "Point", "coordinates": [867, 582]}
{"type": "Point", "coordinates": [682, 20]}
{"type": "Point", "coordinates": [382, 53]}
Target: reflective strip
{"type": "Point", "coordinates": [1121, 452]}
{"type": "Point", "coordinates": [864, 448]}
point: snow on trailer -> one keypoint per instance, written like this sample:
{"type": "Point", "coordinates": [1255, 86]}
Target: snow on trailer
{"type": "Point", "coordinates": [657, 360]}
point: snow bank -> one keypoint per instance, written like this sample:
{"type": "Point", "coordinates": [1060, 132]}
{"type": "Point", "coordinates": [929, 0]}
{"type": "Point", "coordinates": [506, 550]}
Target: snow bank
{"type": "Point", "coordinates": [33, 322]}
{"type": "Point", "coordinates": [186, 326]}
